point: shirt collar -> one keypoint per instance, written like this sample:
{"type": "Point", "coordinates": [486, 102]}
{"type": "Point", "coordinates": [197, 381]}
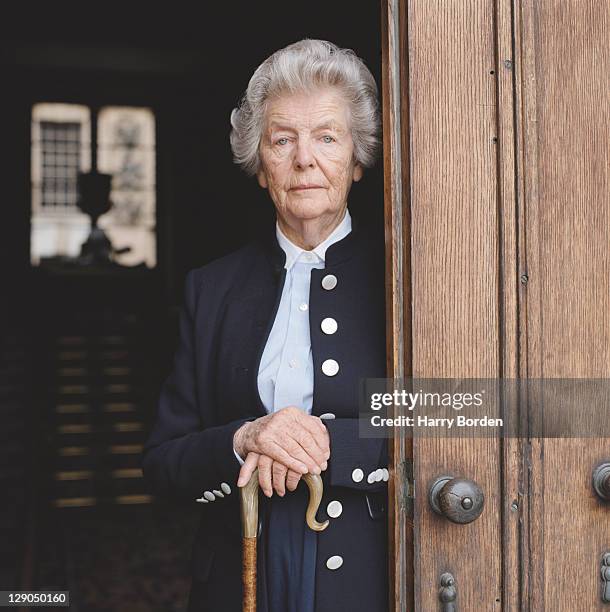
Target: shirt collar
{"type": "Point", "coordinates": [293, 252]}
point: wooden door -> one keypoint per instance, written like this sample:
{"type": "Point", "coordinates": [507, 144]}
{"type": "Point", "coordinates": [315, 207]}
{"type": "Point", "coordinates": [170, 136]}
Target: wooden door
{"type": "Point", "coordinates": [497, 224]}
{"type": "Point", "coordinates": [563, 140]}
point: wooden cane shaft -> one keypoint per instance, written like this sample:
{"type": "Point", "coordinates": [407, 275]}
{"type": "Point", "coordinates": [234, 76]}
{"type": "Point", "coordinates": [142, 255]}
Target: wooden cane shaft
{"type": "Point", "coordinates": [249, 574]}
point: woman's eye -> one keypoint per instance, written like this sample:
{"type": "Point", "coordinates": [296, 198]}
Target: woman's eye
{"type": "Point", "coordinates": [328, 139]}
{"type": "Point", "coordinates": [282, 141]}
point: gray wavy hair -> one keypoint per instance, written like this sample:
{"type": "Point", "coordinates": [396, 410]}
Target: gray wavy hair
{"type": "Point", "coordinates": [304, 66]}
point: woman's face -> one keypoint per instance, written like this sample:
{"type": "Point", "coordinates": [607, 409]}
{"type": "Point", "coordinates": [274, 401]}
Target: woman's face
{"type": "Point", "coordinates": [307, 161]}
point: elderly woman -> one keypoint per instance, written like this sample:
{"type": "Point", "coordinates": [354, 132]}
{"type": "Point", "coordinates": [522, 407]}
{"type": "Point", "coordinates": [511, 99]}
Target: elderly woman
{"type": "Point", "coordinates": [274, 340]}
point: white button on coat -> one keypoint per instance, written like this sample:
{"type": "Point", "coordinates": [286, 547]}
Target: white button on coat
{"type": "Point", "coordinates": [386, 474]}
{"type": "Point", "coordinates": [329, 325]}
{"type": "Point", "coordinates": [327, 415]}
{"type": "Point", "coordinates": [334, 509]}
{"type": "Point", "coordinates": [209, 496]}
{"type": "Point", "coordinates": [357, 475]}
{"type": "Point", "coordinates": [226, 488]}
{"type": "Point", "coordinates": [330, 367]}
{"type": "Point", "coordinates": [371, 478]}
{"type": "Point", "coordinates": [202, 500]}
{"type": "Point", "coordinates": [329, 282]}
{"type": "Point", "coordinates": [218, 493]}
{"type": "Point", "coordinates": [334, 562]}
{"type": "Point", "coordinates": [378, 475]}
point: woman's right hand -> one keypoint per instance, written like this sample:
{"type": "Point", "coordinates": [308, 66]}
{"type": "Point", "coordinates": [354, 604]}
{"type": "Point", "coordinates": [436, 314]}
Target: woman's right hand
{"type": "Point", "coordinates": [289, 436]}
{"type": "Point", "coordinates": [272, 475]}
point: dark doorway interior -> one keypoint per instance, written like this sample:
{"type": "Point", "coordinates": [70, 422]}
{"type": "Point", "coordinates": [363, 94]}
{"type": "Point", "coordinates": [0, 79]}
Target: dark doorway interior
{"type": "Point", "coordinates": [84, 352]}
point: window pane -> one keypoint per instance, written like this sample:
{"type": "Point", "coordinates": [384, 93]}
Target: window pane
{"type": "Point", "coordinates": [126, 149]}
{"type": "Point", "coordinates": [60, 162]}
{"type": "Point", "coordinates": [60, 149]}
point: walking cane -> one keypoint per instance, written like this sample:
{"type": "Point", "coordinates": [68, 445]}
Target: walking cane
{"type": "Point", "coordinates": [249, 523]}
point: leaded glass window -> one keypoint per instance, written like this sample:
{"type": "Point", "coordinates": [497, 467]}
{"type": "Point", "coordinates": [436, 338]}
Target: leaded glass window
{"type": "Point", "coordinates": [126, 149]}
{"type": "Point", "coordinates": [60, 148]}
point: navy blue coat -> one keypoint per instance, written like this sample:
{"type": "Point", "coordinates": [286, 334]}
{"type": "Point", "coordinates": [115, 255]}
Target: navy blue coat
{"type": "Point", "coordinates": [229, 309]}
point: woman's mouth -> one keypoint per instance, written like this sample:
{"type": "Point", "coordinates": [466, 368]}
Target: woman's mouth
{"type": "Point", "coordinates": [305, 187]}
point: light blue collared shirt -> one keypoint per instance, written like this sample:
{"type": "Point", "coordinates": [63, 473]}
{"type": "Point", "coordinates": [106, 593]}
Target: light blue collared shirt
{"type": "Point", "coordinates": [285, 374]}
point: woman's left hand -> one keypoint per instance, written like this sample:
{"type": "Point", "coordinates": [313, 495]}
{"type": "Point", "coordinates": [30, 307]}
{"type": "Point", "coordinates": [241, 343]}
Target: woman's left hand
{"type": "Point", "coordinates": [272, 475]}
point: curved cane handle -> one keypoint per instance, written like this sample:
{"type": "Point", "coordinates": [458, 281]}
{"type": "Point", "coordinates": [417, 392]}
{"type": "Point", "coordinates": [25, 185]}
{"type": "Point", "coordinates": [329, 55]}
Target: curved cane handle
{"type": "Point", "coordinates": [314, 483]}
{"type": "Point", "coordinates": [249, 504]}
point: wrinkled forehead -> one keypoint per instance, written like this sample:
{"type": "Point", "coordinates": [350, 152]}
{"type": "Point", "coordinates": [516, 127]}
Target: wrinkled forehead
{"type": "Point", "coordinates": [317, 109]}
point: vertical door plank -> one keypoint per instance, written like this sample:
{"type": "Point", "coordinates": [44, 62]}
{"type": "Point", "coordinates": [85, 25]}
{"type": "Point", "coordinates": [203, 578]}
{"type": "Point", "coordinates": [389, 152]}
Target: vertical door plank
{"type": "Point", "coordinates": [455, 276]}
{"type": "Point", "coordinates": [513, 505]}
{"type": "Point", "coordinates": [398, 295]}
{"type": "Point", "coordinates": [564, 119]}
{"type": "Point", "coordinates": [530, 494]}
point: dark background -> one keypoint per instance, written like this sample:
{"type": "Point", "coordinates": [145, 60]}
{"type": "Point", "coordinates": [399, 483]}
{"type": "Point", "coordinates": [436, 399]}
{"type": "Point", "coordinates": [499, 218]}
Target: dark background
{"type": "Point", "coordinates": [191, 69]}
{"type": "Point", "coordinates": [58, 330]}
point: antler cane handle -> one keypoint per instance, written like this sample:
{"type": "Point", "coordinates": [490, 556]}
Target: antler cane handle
{"type": "Point", "coordinates": [316, 488]}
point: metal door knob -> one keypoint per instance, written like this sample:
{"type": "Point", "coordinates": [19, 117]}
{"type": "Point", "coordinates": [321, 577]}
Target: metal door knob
{"type": "Point", "coordinates": [601, 481]}
{"type": "Point", "coordinates": [458, 499]}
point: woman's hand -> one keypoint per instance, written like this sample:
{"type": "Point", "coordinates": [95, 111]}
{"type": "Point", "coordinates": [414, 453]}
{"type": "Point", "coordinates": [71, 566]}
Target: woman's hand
{"type": "Point", "coordinates": [272, 475]}
{"type": "Point", "coordinates": [297, 440]}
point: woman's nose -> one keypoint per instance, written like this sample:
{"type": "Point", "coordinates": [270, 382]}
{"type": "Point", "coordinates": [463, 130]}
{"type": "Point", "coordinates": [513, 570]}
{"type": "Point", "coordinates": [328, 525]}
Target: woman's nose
{"type": "Point", "coordinates": [304, 157]}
